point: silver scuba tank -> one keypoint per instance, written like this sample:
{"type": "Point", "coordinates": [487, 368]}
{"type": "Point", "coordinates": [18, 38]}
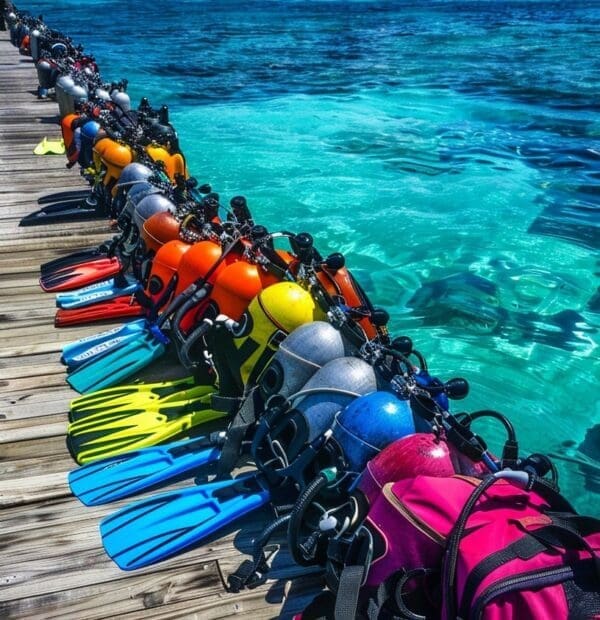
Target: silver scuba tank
{"type": "Point", "coordinates": [279, 441]}
{"type": "Point", "coordinates": [299, 356]}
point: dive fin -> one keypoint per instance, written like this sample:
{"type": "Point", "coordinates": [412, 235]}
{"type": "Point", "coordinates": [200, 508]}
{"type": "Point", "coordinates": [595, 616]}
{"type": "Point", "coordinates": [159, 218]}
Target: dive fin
{"type": "Point", "coordinates": [72, 194]}
{"type": "Point", "coordinates": [82, 274]}
{"type": "Point", "coordinates": [65, 211]}
{"type": "Point", "coordinates": [154, 529]}
{"type": "Point", "coordinates": [77, 353]}
{"type": "Point", "coordinates": [111, 479]}
{"type": "Point", "coordinates": [110, 433]}
{"type": "Point", "coordinates": [50, 146]}
{"type": "Point", "coordinates": [75, 258]}
{"type": "Point", "coordinates": [125, 306]}
{"type": "Point", "coordinates": [105, 410]}
{"type": "Point", "coordinates": [118, 363]}
{"type": "Point", "coordinates": [99, 291]}
{"type": "Point", "coordinates": [126, 394]}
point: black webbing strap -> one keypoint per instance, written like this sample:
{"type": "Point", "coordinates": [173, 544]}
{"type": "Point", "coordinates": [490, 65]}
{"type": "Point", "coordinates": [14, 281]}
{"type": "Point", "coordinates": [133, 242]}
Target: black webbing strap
{"type": "Point", "coordinates": [244, 417]}
{"type": "Point", "coordinates": [228, 404]}
{"type": "Point", "coordinates": [346, 600]}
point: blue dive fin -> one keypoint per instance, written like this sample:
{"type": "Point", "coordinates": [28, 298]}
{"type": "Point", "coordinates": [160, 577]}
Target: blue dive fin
{"type": "Point", "coordinates": [119, 363]}
{"type": "Point", "coordinates": [81, 351]}
{"type": "Point", "coordinates": [100, 291]}
{"type": "Point", "coordinates": [114, 478]}
{"type": "Point", "coordinates": [154, 529]}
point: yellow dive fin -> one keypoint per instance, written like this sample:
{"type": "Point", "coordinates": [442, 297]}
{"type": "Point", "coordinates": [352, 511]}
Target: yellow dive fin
{"type": "Point", "coordinates": [50, 146]}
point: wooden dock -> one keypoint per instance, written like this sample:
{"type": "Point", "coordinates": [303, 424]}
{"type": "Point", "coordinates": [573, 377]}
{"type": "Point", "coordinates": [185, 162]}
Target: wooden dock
{"type": "Point", "coordinates": [52, 564]}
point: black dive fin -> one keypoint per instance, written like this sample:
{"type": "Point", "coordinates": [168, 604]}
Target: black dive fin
{"type": "Point", "coordinates": [74, 194]}
{"type": "Point", "coordinates": [67, 211]}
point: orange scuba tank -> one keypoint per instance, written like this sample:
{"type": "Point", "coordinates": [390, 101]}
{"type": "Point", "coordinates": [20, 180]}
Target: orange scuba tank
{"type": "Point", "coordinates": [237, 285]}
{"type": "Point", "coordinates": [158, 229]}
{"type": "Point", "coordinates": [197, 263]}
{"type": "Point", "coordinates": [164, 269]}
{"type": "Point", "coordinates": [24, 48]}
{"type": "Point", "coordinates": [68, 134]}
{"type": "Point", "coordinates": [339, 284]}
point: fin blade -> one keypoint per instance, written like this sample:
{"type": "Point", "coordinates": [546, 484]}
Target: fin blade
{"type": "Point", "coordinates": [75, 354]}
{"type": "Point", "coordinates": [118, 364]}
{"type": "Point", "coordinates": [122, 307]}
{"type": "Point", "coordinates": [103, 434]}
{"type": "Point", "coordinates": [115, 396]}
{"type": "Point", "coordinates": [71, 260]}
{"type": "Point", "coordinates": [152, 530]}
{"type": "Point", "coordinates": [105, 290]}
{"type": "Point", "coordinates": [68, 195]}
{"type": "Point", "coordinates": [74, 277]}
{"type": "Point", "coordinates": [115, 478]}
{"type": "Point", "coordinates": [66, 211]}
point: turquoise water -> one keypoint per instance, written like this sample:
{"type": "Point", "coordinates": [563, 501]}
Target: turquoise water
{"type": "Point", "coordinates": [452, 152]}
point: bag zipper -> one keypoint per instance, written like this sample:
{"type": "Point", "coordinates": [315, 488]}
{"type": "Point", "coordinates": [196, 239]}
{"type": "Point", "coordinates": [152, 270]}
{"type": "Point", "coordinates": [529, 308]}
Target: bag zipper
{"type": "Point", "coordinates": [544, 578]}
{"type": "Point", "coordinates": [419, 524]}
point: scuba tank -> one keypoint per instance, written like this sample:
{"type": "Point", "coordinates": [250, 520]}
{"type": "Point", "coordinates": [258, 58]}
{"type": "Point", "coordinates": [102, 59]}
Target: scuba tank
{"type": "Point", "coordinates": [148, 206]}
{"type": "Point", "coordinates": [134, 173]}
{"type": "Point", "coordinates": [120, 98]}
{"type": "Point", "coordinates": [174, 164]}
{"type": "Point", "coordinates": [68, 125]}
{"type": "Point", "coordinates": [421, 454]}
{"type": "Point", "coordinates": [66, 104]}
{"type": "Point", "coordinates": [89, 131]}
{"type": "Point", "coordinates": [299, 356]}
{"type": "Point", "coordinates": [158, 229]}
{"type": "Point", "coordinates": [165, 266]}
{"type": "Point", "coordinates": [370, 423]}
{"type": "Point", "coordinates": [44, 74]}
{"type": "Point", "coordinates": [34, 44]}
{"type": "Point", "coordinates": [283, 437]}
{"type": "Point", "coordinates": [79, 95]}
{"type": "Point", "coordinates": [101, 94]}
{"type": "Point", "coordinates": [113, 156]}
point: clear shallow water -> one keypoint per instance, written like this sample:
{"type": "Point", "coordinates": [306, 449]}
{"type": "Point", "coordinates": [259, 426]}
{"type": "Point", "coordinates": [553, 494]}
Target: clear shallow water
{"type": "Point", "coordinates": [452, 152]}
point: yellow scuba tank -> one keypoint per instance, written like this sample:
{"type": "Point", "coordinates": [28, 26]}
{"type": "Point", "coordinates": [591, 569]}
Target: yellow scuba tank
{"type": "Point", "coordinates": [114, 156]}
{"type": "Point", "coordinates": [174, 164]}
{"type": "Point", "coordinates": [274, 313]}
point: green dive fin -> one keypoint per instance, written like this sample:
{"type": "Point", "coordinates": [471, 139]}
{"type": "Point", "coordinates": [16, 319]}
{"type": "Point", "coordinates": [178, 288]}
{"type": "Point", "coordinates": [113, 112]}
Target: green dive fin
{"type": "Point", "coordinates": [50, 146]}
{"type": "Point", "coordinates": [152, 530]}
{"type": "Point", "coordinates": [111, 479]}
{"type": "Point", "coordinates": [139, 394]}
{"type": "Point", "coordinates": [111, 433]}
